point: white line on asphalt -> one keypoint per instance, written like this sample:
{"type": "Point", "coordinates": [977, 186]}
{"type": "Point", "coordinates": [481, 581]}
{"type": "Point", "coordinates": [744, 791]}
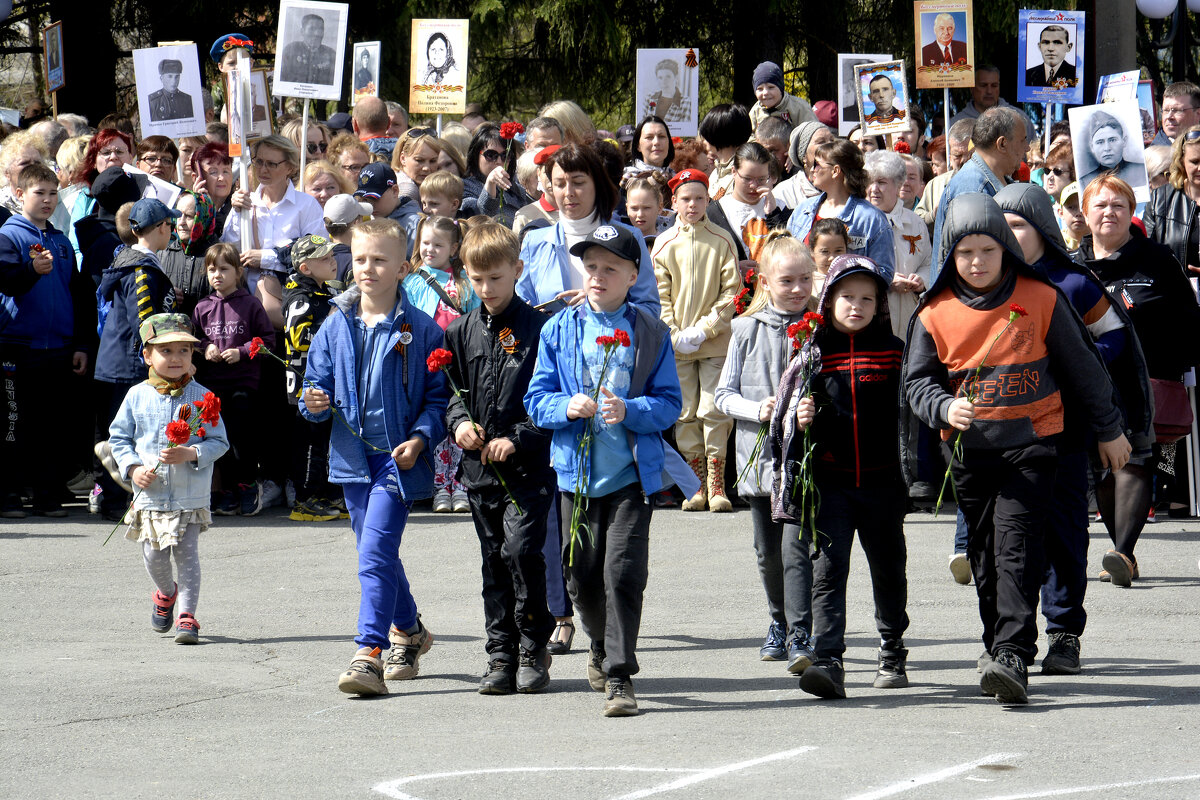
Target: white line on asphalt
{"type": "Point", "coordinates": [392, 788]}
{"type": "Point", "coordinates": [933, 777]}
{"type": "Point", "coordinates": [1097, 788]}
{"type": "Point", "coordinates": [716, 772]}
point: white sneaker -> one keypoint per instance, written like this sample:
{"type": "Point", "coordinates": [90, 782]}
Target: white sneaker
{"type": "Point", "coordinates": [459, 502]}
{"type": "Point", "coordinates": [960, 568]}
{"type": "Point", "coordinates": [272, 495]}
{"type": "Point", "coordinates": [289, 493]}
{"type": "Point", "coordinates": [441, 502]}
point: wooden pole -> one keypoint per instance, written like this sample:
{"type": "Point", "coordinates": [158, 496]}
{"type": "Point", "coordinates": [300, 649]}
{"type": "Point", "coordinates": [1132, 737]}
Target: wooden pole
{"type": "Point", "coordinates": [946, 115]}
{"type": "Point", "coordinates": [54, 104]}
{"type": "Point", "coordinates": [244, 219]}
{"type": "Point", "coordinates": [304, 146]}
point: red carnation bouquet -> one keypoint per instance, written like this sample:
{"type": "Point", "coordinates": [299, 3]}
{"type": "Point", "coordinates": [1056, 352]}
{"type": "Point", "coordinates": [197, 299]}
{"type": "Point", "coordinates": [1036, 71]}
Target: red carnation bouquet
{"type": "Point", "coordinates": [190, 422]}
{"type": "Point", "coordinates": [508, 132]}
{"type": "Point", "coordinates": [805, 486]}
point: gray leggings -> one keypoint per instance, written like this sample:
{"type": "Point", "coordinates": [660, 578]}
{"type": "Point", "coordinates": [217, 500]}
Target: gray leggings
{"type": "Point", "coordinates": [187, 563]}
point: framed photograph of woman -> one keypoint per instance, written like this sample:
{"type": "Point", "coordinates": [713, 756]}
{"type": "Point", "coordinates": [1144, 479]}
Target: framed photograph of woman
{"type": "Point", "coordinates": [1108, 138]}
{"type": "Point", "coordinates": [882, 97]}
{"type": "Point", "coordinates": [365, 72]}
{"type": "Point", "coordinates": [312, 49]}
{"type": "Point", "coordinates": [52, 56]}
{"type": "Point", "coordinates": [438, 67]}
{"type": "Point", "coordinates": [668, 86]}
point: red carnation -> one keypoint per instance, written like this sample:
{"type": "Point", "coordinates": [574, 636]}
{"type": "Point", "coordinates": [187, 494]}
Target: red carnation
{"type": "Point", "coordinates": [606, 341]}
{"type": "Point", "coordinates": [201, 432]}
{"type": "Point", "coordinates": [210, 408]}
{"type": "Point", "coordinates": [509, 130]}
{"type": "Point", "coordinates": [622, 337]}
{"type": "Point", "coordinates": [750, 275]}
{"type": "Point", "coordinates": [901, 146]}
{"type": "Point", "coordinates": [178, 432]}
{"type": "Point", "coordinates": [1018, 309]}
{"type": "Point", "coordinates": [255, 345]}
{"type": "Point", "coordinates": [814, 318]}
{"type": "Point", "coordinates": [794, 329]}
{"type": "Point", "coordinates": [438, 359]}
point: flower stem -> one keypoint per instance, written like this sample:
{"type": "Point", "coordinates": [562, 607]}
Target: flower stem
{"type": "Point", "coordinates": [492, 464]}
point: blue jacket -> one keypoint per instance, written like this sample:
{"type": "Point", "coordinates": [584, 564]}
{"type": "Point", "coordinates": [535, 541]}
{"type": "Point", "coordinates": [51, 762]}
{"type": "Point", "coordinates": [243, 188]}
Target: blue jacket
{"type": "Point", "coordinates": [36, 310]}
{"type": "Point", "coordinates": [548, 267]}
{"type": "Point", "coordinates": [972, 177]}
{"type": "Point", "coordinates": [870, 231]}
{"type": "Point", "coordinates": [414, 398]}
{"type": "Point", "coordinates": [138, 289]}
{"type": "Point", "coordinates": [653, 404]}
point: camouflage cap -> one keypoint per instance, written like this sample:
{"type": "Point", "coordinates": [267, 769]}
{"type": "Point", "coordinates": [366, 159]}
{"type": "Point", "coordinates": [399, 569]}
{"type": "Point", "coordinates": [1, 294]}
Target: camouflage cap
{"type": "Point", "coordinates": [310, 246]}
{"type": "Point", "coordinates": [164, 328]}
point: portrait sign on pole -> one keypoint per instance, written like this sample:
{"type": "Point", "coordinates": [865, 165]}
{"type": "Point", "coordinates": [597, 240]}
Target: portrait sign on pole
{"type": "Point", "coordinates": [667, 86]}
{"type": "Point", "coordinates": [882, 97]}
{"type": "Point", "coordinates": [52, 54]}
{"type": "Point", "coordinates": [169, 91]}
{"type": "Point", "coordinates": [311, 49]}
{"type": "Point", "coordinates": [945, 44]}
{"type": "Point", "coordinates": [365, 70]}
{"type": "Point", "coordinates": [438, 67]}
{"type": "Point", "coordinates": [1050, 57]}
{"type": "Point", "coordinates": [1108, 138]}
{"type": "Point", "coordinates": [848, 116]}
{"type": "Point", "coordinates": [1117, 86]}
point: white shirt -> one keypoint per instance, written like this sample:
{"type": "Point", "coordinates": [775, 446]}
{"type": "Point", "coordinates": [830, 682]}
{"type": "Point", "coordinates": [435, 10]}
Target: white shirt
{"type": "Point", "coordinates": [738, 213]}
{"type": "Point", "coordinates": [295, 215]}
{"type": "Point", "coordinates": [912, 254]}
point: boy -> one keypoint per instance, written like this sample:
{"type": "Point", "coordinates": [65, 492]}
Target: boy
{"type": "Point", "coordinates": [441, 194]}
{"type": "Point", "coordinates": [827, 239]}
{"type": "Point", "coordinates": [306, 296]}
{"type": "Point", "coordinates": [773, 101]}
{"type": "Point", "coordinates": [695, 264]}
{"type": "Point", "coordinates": [495, 348]}
{"type": "Point", "coordinates": [1072, 221]}
{"type": "Point", "coordinates": [368, 362]}
{"type": "Point", "coordinates": [1010, 412]}
{"type": "Point", "coordinates": [606, 568]}
{"type": "Point", "coordinates": [850, 406]}
{"type": "Point", "coordinates": [341, 212]}
{"type": "Point", "coordinates": [377, 186]}
{"type": "Point", "coordinates": [44, 337]}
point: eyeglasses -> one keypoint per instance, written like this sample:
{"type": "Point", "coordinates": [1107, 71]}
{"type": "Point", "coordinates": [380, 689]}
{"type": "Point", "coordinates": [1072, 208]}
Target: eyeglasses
{"type": "Point", "coordinates": [110, 153]}
{"type": "Point", "coordinates": [416, 133]}
{"type": "Point", "coordinates": [158, 160]}
{"type": "Point", "coordinates": [492, 155]}
{"type": "Point", "coordinates": [313, 147]}
{"type": "Point", "coordinates": [352, 169]}
{"type": "Point", "coordinates": [262, 163]}
{"type": "Point", "coordinates": [1057, 172]}
{"type": "Point", "coordinates": [814, 164]}
{"type": "Point", "coordinates": [752, 181]}
{"type": "Point", "coordinates": [1176, 112]}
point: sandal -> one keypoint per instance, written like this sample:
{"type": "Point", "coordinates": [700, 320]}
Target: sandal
{"type": "Point", "coordinates": [557, 645]}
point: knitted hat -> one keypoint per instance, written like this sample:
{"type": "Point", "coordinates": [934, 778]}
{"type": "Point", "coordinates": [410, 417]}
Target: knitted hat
{"type": "Point", "coordinates": [768, 72]}
{"type": "Point", "coordinates": [802, 136]}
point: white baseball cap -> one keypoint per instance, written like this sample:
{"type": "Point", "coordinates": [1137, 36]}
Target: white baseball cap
{"type": "Point", "coordinates": [343, 209]}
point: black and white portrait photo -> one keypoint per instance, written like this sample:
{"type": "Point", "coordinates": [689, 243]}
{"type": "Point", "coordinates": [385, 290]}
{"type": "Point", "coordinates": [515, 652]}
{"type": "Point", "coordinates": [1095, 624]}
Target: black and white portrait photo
{"type": "Point", "coordinates": [848, 117]}
{"type": "Point", "coordinates": [312, 46]}
{"type": "Point", "coordinates": [1054, 63]}
{"type": "Point", "coordinates": [169, 102]}
{"type": "Point", "coordinates": [440, 66]}
{"type": "Point", "coordinates": [667, 86]}
{"type": "Point", "coordinates": [1108, 138]}
{"type": "Point", "coordinates": [168, 89]}
{"type": "Point", "coordinates": [366, 70]}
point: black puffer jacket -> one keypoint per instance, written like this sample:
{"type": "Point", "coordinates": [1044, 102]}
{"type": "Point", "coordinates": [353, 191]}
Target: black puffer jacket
{"type": "Point", "coordinates": [1168, 219]}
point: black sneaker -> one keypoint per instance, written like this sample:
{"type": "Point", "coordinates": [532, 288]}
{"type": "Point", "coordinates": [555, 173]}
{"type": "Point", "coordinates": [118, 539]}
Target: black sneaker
{"type": "Point", "coordinates": [800, 653]}
{"type": "Point", "coordinates": [12, 507]}
{"type": "Point", "coordinates": [533, 674]}
{"type": "Point", "coordinates": [250, 498]}
{"type": "Point", "coordinates": [892, 659]}
{"type": "Point", "coordinates": [1063, 656]}
{"type": "Point", "coordinates": [826, 679]}
{"type": "Point", "coordinates": [773, 648]}
{"type": "Point", "coordinates": [499, 677]}
{"type": "Point", "coordinates": [163, 613]}
{"type": "Point", "coordinates": [224, 504]}
{"type": "Point", "coordinates": [1006, 678]}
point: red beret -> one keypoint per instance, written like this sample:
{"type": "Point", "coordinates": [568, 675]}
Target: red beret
{"type": "Point", "coordinates": [544, 154]}
{"type": "Point", "coordinates": [687, 176]}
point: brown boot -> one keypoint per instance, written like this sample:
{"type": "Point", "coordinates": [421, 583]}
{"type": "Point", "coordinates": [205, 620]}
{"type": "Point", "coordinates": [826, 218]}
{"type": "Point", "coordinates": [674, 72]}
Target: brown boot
{"type": "Point", "coordinates": [717, 501]}
{"type": "Point", "coordinates": [699, 500]}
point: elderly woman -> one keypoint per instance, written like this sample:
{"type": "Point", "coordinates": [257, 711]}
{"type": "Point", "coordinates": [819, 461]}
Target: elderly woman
{"type": "Point", "coordinates": [802, 146]}
{"type": "Point", "coordinates": [323, 180]}
{"type": "Point", "coordinates": [910, 237]}
{"type": "Point", "coordinates": [491, 180]}
{"type": "Point", "coordinates": [349, 155]}
{"type": "Point", "coordinates": [213, 171]}
{"type": "Point", "coordinates": [17, 152]}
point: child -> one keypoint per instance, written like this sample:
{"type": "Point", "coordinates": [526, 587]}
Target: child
{"type": "Point", "coordinates": [45, 335]}
{"type": "Point", "coordinates": [644, 205]}
{"type": "Point", "coordinates": [1072, 221]}
{"type": "Point", "coordinates": [368, 362]}
{"type": "Point", "coordinates": [639, 398]}
{"type": "Point", "coordinates": [856, 467]}
{"type": "Point", "coordinates": [443, 197]}
{"type": "Point", "coordinates": [495, 348]}
{"type": "Point", "coordinates": [758, 354]}
{"type": "Point", "coordinates": [341, 212]}
{"type": "Point", "coordinates": [438, 288]}
{"type": "Point", "coordinates": [773, 101]}
{"type": "Point", "coordinates": [377, 186]}
{"type": "Point", "coordinates": [1010, 413]}
{"type": "Point", "coordinates": [227, 321]}
{"type": "Point", "coordinates": [138, 289]}
{"type": "Point", "coordinates": [306, 296]}
{"type": "Point", "coordinates": [695, 263]}
{"type": "Point", "coordinates": [171, 507]}
{"type": "Point", "coordinates": [827, 239]}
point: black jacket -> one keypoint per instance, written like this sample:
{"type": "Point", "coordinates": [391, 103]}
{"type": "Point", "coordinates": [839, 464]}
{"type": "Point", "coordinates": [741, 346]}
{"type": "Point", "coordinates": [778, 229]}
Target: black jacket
{"type": "Point", "coordinates": [494, 357]}
{"type": "Point", "coordinates": [187, 274]}
{"type": "Point", "coordinates": [305, 307]}
{"type": "Point", "coordinates": [1168, 219]}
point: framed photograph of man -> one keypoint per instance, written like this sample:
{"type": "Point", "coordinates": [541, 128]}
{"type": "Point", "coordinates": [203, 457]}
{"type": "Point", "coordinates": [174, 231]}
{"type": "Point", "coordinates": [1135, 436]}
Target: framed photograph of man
{"type": "Point", "coordinates": [262, 115]}
{"type": "Point", "coordinates": [1108, 138]}
{"type": "Point", "coordinates": [667, 85]}
{"type": "Point", "coordinates": [311, 49]}
{"type": "Point", "coordinates": [437, 75]}
{"type": "Point", "coordinates": [168, 91]}
{"type": "Point", "coordinates": [1050, 56]}
{"type": "Point", "coordinates": [1149, 111]}
{"type": "Point", "coordinates": [882, 97]}
{"type": "Point", "coordinates": [945, 44]}
{"type": "Point", "coordinates": [365, 71]}
{"type": "Point", "coordinates": [52, 56]}
{"type": "Point", "coordinates": [848, 116]}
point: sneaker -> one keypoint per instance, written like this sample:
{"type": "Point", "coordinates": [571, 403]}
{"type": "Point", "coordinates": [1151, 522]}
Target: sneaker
{"type": "Point", "coordinates": [441, 502]}
{"type": "Point", "coordinates": [460, 503]}
{"type": "Point", "coordinates": [619, 700]}
{"type": "Point", "coordinates": [365, 675]}
{"type": "Point", "coordinates": [272, 495]}
{"type": "Point", "coordinates": [250, 498]}
{"type": "Point", "coordinates": [1062, 658]}
{"type": "Point", "coordinates": [1119, 568]}
{"type": "Point", "coordinates": [12, 507]}
{"type": "Point", "coordinates": [187, 630]}
{"type": "Point", "coordinates": [163, 613]}
{"type": "Point", "coordinates": [984, 659]}
{"type": "Point", "coordinates": [892, 660]}
{"type": "Point", "coordinates": [826, 679]}
{"type": "Point", "coordinates": [499, 677]}
{"type": "Point", "coordinates": [1150, 518]}
{"type": "Point", "coordinates": [313, 510]}
{"type": "Point", "coordinates": [224, 504]}
{"type": "Point", "coordinates": [95, 499]}
{"type": "Point", "coordinates": [800, 653]}
{"type": "Point", "coordinates": [289, 493]}
{"type": "Point", "coordinates": [339, 503]}
{"type": "Point", "coordinates": [403, 660]}
{"type": "Point", "coordinates": [533, 674]}
{"type": "Point", "coordinates": [1006, 677]}
{"type": "Point", "coordinates": [103, 451]}
{"type": "Point", "coordinates": [960, 568]}
{"type": "Point", "coordinates": [773, 648]}
{"type": "Point", "coordinates": [82, 483]}
{"type": "Point", "coordinates": [597, 677]}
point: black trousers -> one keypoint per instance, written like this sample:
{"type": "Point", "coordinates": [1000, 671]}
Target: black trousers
{"type": "Point", "coordinates": [109, 397]}
{"type": "Point", "coordinates": [1005, 497]}
{"type": "Point", "coordinates": [878, 516]}
{"type": "Point", "coordinates": [785, 566]}
{"type": "Point", "coordinates": [35, 443]}
{"type": "Point", "coordinates": [1064, 582]}
{"type": "Point", "coordinates": [309, 468]}
{"type": "Point", "coordinates": [608, 576]}
{"type": "Point", "coordinates": [514, 569]}
{"type": "Point", "coordinates": [241, 413]}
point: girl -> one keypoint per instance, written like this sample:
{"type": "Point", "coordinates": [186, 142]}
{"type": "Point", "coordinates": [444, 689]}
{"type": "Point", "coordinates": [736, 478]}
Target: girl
{"type": "Point", "coordinates": [758, 353]}
{"type": "Point", "coordinates": [171, 506]}
{"type": "Point", "coordinates": [228, 320]}
{"type": "Point", "coordinates": [644, 205]}
{"type": "Point", "coordinates": [749, 211]}
{"type": "Point", "coordinates": [437, 287]}
{"type": "Point", "coordinates": [828, 240]}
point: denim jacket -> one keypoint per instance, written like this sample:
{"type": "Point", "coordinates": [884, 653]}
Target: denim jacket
{"type": "Point", "coordinates": [139, 433]}
{"type": "Point", "coordinates": [870, 231]}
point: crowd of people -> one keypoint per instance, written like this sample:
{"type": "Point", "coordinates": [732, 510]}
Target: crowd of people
{"type": "Point", "coordinates": [559, 329]}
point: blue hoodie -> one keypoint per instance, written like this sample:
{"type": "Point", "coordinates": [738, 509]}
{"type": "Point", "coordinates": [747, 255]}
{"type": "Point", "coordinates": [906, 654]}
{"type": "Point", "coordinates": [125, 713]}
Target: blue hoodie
{"type": "Point", "coordinates": [36, 310]}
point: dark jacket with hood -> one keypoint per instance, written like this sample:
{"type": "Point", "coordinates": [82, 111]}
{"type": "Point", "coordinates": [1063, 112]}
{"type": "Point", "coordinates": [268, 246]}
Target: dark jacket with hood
{"type": "Point", "coordinates": [1018, 396]}
{"type": "Point", "coordinates": [306, 304]}
{"type": "Point", "coordinates": [138, 289]}
{"type": "Point", "coordinates": [855, 380]}
{"type": "Point", "coordinates": [1106, 319]}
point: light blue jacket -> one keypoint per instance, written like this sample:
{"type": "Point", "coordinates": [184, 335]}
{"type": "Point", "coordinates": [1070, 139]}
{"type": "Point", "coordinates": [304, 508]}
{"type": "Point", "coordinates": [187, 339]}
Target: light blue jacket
{"type": "Point", "coordinates": [414, 399]}
{"type": "Point", "coordinates": [653, 404]}
{"type": "Point", "coordinates": [548, 269]}
{"type": "Point", "coordinates": [139, 433]}
{"type": "Point", "coordinates": [870, 231]}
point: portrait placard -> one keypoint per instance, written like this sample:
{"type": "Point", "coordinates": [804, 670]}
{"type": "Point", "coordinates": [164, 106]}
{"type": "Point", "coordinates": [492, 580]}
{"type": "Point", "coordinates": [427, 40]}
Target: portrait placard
{"type": "Point", "coordinates": [945, 44]}
{"type": "Point", "coordinates": [1050, 56]}
{"type": "Point", "coordinates": [52, 56]}
{"type": "Point", "coordinates": [1117, 86]}
{"type": "Point", "coordinates": [1108, 138]}
{"type": "Point", "coordinates": [1149, 111]}
{"type": "Point", "coordinates": [668, 86]}
{"type": "Point", "coordinates": [882, 97]}
{"type": "Point", "coordinates": [365, 71]}
{"type": "Point", "coordinates": [169, 91]}
{"type": "Point", "coordinates": [311, 49]}
{"type": "Point", "coordinates": [437, 77]}
{"type": "Point", "coordinates": [848, 115]}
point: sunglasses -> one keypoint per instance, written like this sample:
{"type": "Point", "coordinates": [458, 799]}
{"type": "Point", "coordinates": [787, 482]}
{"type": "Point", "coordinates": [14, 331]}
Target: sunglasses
{"type": "Point", "coordinates": [492, 155]}
{"type": "Point", "coordinates": [313, 147]}
{"type": "Point", "coordinates": [414, 133]}
{"type": "Point", "coordinates": [1191, 136]}
{"type": "Point", "coordinates": [1057, 172]}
